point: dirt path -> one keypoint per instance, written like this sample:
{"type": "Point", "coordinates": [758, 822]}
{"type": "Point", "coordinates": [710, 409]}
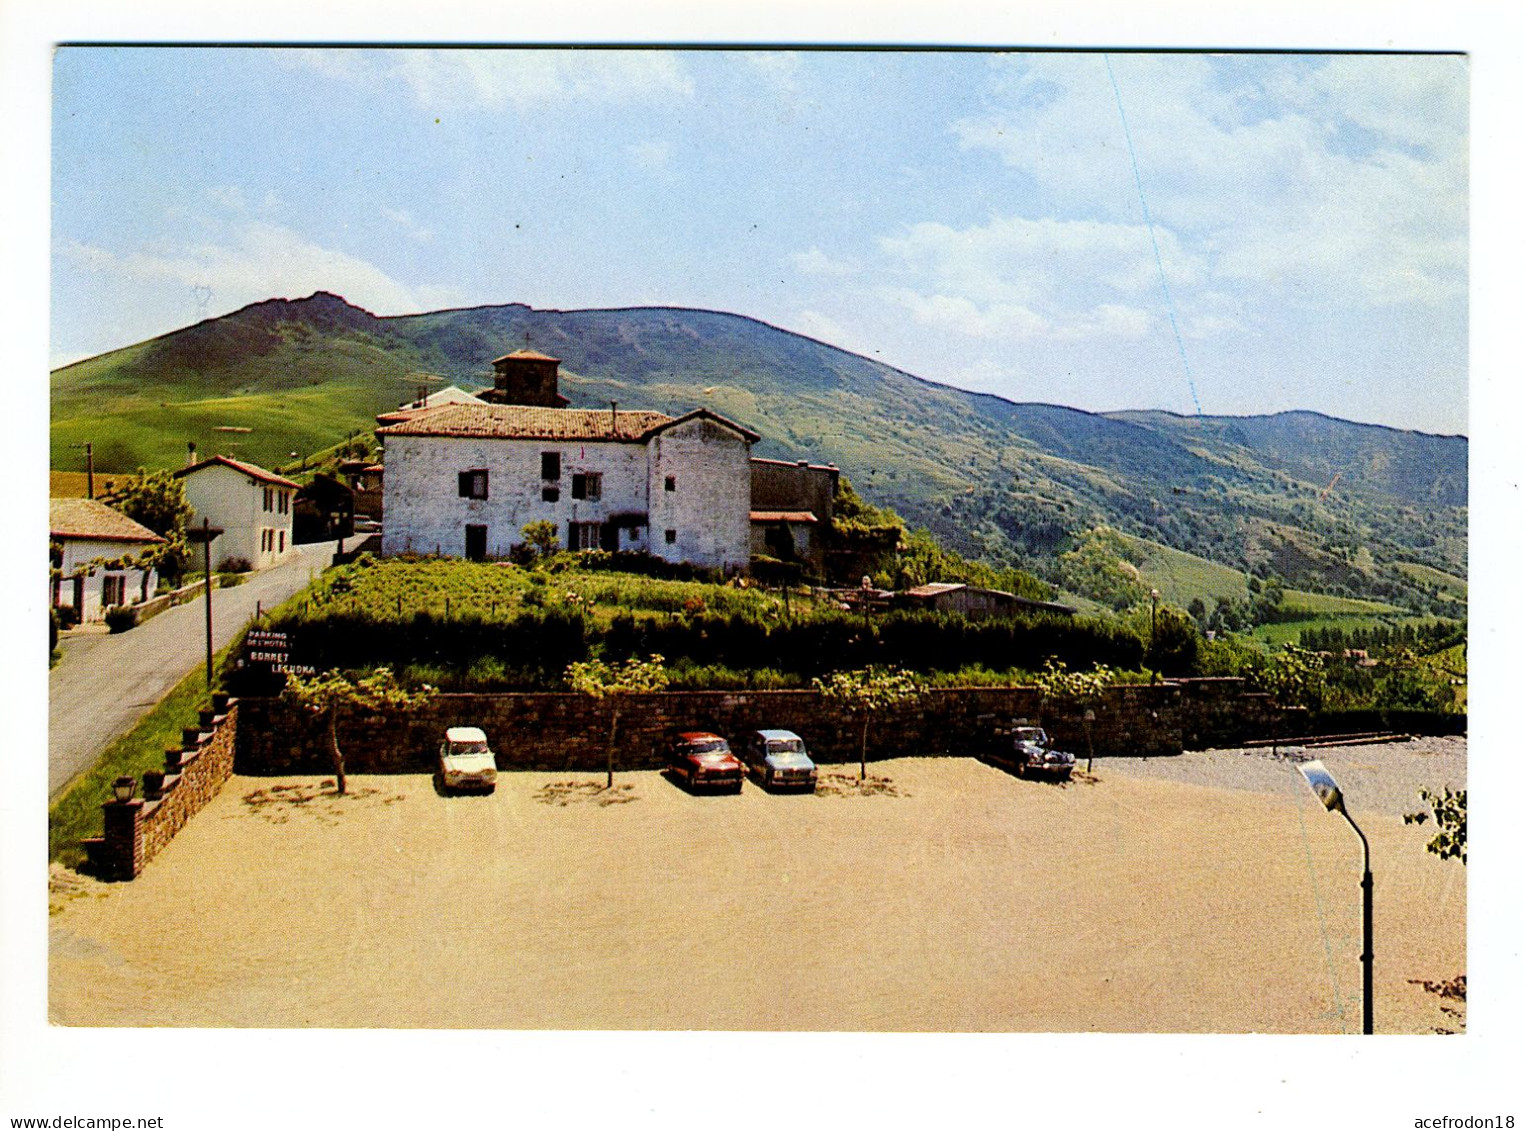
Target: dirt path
{"type": "Point", "coordinates": [953, 898]}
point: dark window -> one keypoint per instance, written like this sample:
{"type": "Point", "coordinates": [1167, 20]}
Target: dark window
{"type": "Point", "coordinates": [268, 493]}
{"type": "Point", "coordinates": [550, 494]}
{"type": "Point", "coordinates": [476, 543]}
{"type": "Point", "coordinates": [672, 537]}
{"type": "Point", "coordinates": [587, 486]}
{"type": "Point", "coordinates": [472, 484]}
{"type": "Point", "coordinates": [672, 483]}
{"type": "Point", "coordinates": [582, 535]}
{"type": "Point", "coordinates": [550, 465]}
{"type": "Point", "coordinates": [282, 548]}
{"type": "Point", "coordinates": [113, 592]}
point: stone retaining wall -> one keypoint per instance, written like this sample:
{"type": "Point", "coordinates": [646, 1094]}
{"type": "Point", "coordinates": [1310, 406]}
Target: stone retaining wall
{"type": "Point", "coordinates": [194, 773]}
{"type": "Point", "coordinates": [561, 732]}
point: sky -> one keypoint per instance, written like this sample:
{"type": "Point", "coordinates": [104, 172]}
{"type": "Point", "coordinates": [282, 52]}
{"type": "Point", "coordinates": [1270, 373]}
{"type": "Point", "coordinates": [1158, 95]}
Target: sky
{"type": "Point", "coordinates": [1229, 234]}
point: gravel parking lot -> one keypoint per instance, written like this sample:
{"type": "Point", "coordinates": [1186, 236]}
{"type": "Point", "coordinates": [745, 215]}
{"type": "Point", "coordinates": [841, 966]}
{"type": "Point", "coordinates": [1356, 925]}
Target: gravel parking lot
{"type": "Point", "coordinates": [1194, 894]}
{"type": "Point", "coordinates": [1384, 778]}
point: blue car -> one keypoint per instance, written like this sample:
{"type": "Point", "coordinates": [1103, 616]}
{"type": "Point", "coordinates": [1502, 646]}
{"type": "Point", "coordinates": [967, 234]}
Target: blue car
{"type": "Point", "coordinates": [779, 760]}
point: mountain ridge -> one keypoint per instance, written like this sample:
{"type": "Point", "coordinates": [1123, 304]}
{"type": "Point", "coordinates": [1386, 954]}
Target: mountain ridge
{"type": "Point", "coordinates": [1006, 480]}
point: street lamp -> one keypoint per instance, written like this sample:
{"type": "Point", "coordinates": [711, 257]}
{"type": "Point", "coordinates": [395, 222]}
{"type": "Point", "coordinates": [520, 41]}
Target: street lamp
{"type": "Point", "coordinates": [123, 788]}
{"type": "Point", "coordinates": [1323, 784]}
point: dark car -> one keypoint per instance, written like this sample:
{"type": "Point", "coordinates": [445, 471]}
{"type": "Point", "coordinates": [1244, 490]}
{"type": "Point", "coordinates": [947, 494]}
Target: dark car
{"type": "Point", "coordinates": [1031, 754]}
{"type": "Point", "coordinates": [704, 761]}
{"type": "Point", "coordinates": [779, 759]}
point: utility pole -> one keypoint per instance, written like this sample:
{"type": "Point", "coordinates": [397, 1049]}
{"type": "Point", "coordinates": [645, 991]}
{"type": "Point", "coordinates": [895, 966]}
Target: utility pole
{"type": "Point", "coordinates": [206, 550]}
{"type": "Point", "coordinates": [89, 471]}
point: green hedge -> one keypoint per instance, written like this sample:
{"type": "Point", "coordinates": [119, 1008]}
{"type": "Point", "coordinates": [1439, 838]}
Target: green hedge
{"type": "Point", "coordinates": [531, 648]}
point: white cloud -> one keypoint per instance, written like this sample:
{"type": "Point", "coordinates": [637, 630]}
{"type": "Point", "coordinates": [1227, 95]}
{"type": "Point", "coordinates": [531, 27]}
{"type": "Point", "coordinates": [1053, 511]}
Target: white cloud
{"type": "Point", "coordinates": [1342, 176]}
{"type": "Point", "coordinates": [446, 79]}
{"type": "Point", "coordinates": [1013, 322]}
{"type": "Point", "coordinates": [404, 219]}
{"type": "Point", "coordinates": [817, 262]}
{"type": "Point", "coordinates": [1020, 279]}
{"type": "Point", "coordinates": [258, 261]}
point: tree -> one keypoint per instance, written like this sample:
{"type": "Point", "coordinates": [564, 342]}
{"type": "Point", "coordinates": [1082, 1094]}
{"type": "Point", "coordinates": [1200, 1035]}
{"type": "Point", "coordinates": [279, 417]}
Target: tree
{"type": "Point", "coordinates": [1099, 568]}
{"type": "Point", "coordinates": [610, 681]}
{"type": "Point", "coordinates": [1175, 645]}
{"type": "Point", "coordinates": [1083, 689]}
{"type": "Point", "coordinates": [1409, 683]}
{"type": "Point", "coordinates": [541, 535]}
{"type": "Point", "coordinates": [1450, 810]}
{"type": "Point", "coordinates": [1295, 677]}
{"type": "Point", "coordinates": [323, 694]}
{"type": "Point", "coordinates": [156, 499]}
{"type": "Point", "coordinates": [866, 692]}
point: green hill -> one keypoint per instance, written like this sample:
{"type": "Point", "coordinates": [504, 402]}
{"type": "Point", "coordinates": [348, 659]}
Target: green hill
{"type": "Point", "coordinates": [1006, 482]}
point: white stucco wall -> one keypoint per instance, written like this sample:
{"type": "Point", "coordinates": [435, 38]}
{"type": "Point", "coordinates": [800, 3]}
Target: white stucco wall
{"type": "Point", "coordinates": [425, 512]}
{"type": "Point", "coordinates": [77, 556]}
{"type": "Point", "coordinates": [709, 511]}
{"type": "Point", "coordinates": [235, 502]}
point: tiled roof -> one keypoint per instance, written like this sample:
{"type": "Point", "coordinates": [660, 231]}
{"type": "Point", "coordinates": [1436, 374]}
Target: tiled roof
{"type": "Point", "coordinates": [253, 471]}
{"type": "Point", "coordinates": [94, 520]}
{"type": "Point", "coordinates": [525, 355]}
{"type": "Point", "coordinates": [527, 422]}
{"type": "Point", "coordinates": [805, 517]}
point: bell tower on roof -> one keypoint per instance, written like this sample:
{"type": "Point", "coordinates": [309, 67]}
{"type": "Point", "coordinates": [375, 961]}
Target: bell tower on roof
{"type": "Point", "coordinates": [525, 377]}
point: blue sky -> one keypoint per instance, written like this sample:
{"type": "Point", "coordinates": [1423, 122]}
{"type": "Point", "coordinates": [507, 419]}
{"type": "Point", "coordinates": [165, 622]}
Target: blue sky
{"type": "Point", "coordinates": [977, 219]}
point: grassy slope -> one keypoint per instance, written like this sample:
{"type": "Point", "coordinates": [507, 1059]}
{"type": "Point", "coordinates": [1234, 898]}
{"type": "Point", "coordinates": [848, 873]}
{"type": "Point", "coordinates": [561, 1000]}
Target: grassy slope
{"type": "Point", "coordinates": [990, 478]}
{"type": "Point", "coordinates": [1181, 577]}
{"type": "Point", "coordinates": [1434, 578]}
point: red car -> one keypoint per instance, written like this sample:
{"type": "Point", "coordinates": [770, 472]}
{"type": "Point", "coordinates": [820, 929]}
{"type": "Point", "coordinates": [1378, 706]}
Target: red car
{"type": "Point", "coordinates": [704, 761]}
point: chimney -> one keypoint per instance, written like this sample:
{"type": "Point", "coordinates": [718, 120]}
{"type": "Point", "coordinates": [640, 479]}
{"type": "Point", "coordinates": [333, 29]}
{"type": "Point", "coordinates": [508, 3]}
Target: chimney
{"type": "Point", "coordinates": [190, 453]}
{"type": "Point", "coordinates": [614, 416]}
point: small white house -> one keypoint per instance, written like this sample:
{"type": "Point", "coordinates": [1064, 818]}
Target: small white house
{"type": "Point", "coordinates": [465, 479]}
{"type": "Point", "coordinates": [95, 555]}
{"type": "Point", "coordinates": [251, 506]}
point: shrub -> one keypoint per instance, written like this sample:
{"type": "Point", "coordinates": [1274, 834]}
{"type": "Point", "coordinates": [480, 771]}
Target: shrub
{"type": "Point", "coordinates": [119, 618]}
{"type": "Point", "coordinates": [235, 565]}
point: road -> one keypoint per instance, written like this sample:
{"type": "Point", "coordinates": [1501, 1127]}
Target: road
{"type": "Point", "coordinates": [106, 683]}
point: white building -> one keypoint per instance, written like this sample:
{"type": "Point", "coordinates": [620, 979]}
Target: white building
{"type": "Point", "coordinates": [251, 506]}
{"type": "Point", "coordinates": [465, 479]}
{"type": "Point", "coordinates": [94, 553]}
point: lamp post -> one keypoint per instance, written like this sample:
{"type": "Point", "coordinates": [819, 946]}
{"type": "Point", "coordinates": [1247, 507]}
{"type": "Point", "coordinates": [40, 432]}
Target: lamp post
{"type": "Point", "coordinates": [1090, 717]}
{"type": "Point", "coordinates": [1323, 785]}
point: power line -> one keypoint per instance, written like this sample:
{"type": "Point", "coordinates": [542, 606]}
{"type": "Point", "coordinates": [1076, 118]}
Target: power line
{"type": "Point", "coordinates": [1149, 223]}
